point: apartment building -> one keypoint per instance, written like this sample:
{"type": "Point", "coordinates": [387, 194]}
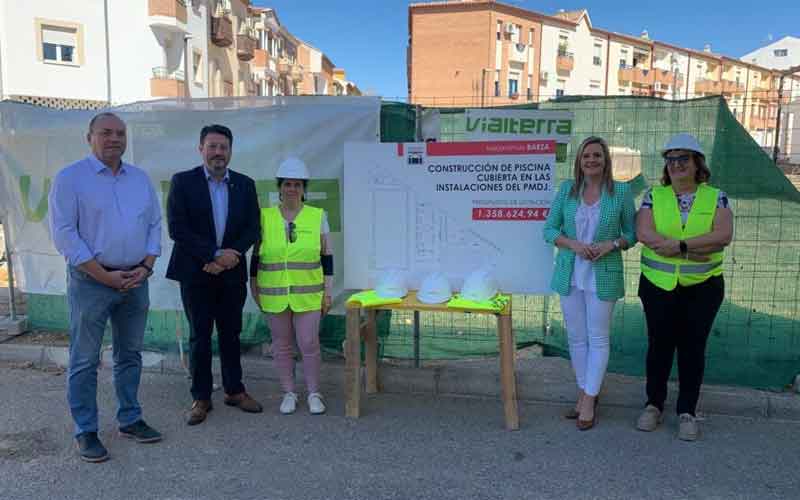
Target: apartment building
{"type": "Point", "coordinates": [91, 53]}
{"type": "Point", "coordinates": [488, 53]}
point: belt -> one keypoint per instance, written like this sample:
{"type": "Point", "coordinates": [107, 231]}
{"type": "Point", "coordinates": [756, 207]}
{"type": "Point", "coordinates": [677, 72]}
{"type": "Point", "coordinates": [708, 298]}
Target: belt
{"type": "Point", "coordinates": [112, 269]}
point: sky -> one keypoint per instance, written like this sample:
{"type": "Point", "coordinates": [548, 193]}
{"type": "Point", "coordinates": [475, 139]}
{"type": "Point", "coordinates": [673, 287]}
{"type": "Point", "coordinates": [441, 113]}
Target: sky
{"type": "Point", "coordinates": [368, 38]}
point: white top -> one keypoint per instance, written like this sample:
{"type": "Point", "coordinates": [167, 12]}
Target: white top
{"type": "Point", "coordinates": [586, 220]}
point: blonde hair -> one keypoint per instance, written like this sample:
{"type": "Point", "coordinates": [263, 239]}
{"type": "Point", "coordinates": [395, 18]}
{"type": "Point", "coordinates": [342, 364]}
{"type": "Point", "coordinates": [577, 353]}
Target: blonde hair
{"type": "Point", "coordinates": [608, 172]}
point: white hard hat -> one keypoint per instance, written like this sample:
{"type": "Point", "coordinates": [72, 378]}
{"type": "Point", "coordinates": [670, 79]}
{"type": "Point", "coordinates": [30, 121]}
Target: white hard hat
{"type": "Point", "coordinates": [683, 141]}
{"type": "Point", "coordinates": [435, 289]}
{"type": "Point", "coordinates": [292, 168]}
{"type": "Point", "coordinates": [479, 286]}
{"type": "Point", "coordinates": [392, 285]}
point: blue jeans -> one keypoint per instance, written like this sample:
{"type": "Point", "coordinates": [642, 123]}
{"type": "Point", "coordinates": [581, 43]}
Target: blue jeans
{"type": "Point", "coordinates": [91, 305]}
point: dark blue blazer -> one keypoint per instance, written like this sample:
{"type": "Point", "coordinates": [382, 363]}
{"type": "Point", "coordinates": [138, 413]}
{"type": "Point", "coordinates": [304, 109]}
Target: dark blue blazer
{"type": "Point", "coordinates": [191, 225]}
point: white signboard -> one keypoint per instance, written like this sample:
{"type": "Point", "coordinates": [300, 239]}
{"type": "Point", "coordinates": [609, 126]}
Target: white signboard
{"type": "Point", "coordinates": [449, 207]}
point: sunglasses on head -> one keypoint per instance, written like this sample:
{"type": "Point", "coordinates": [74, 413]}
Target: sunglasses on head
{"type": "Point", "coordinates": [292, 233]}
{"type": "Point", "coordinates": [682, 160]}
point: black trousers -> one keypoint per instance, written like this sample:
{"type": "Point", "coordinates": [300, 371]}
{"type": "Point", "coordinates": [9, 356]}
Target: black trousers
{"type": "Point", "coordinates": [680, 320]}
{"type": "Point", "coordinates": [208, 305]}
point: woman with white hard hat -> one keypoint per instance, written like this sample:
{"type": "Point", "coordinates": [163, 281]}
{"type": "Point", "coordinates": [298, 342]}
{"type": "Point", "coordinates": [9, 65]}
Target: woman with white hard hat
{"type": "Point", "coordinates": [591, 221]}
{"type": "Point", "coordinates": [291, 280]}
{"type": "Point", "coordinates": [684, 224]}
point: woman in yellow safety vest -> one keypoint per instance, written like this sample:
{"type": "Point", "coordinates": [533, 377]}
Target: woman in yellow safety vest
{"type": "Point", "coordinates": [291, 279]}
{"type": "Point", "coordinates": [684, 225]}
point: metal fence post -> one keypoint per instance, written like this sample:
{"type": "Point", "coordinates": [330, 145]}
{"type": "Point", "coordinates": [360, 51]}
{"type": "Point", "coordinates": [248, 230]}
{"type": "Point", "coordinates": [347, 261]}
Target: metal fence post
{"type": "Point", "coordinates": [11, 298]}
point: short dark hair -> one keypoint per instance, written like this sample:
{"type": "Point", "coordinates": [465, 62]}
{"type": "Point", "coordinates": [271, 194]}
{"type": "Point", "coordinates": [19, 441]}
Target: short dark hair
{"type": "Point", "coordinates": [104, 114]}
{"type": "Point", "coordinates": [702, 173]}
{"type": "Point", "coordinates": [281, 180]}
{"type": "Point", "coordinates": [216, 129]}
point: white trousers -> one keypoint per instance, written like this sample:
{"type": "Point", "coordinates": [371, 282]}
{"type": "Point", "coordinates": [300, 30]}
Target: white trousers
{"type": "Point", "coordinates": [588, 321]}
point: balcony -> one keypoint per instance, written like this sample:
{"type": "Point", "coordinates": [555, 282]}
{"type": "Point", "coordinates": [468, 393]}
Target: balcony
{"type": "Point", "coordinates": [565, 61]}
{"type": "Point", "coordinates": [167, 14]}
{"type": "Point", "coordinates": [296, 73]}
{"type": "Point", "coordinates": [245, 47]}
{"type": "Point", "coordinates": [284, 66]}
{"type": "Point", "coordinates": [166, 83]}
{"type": "Point", "coordinates": [222, 31]}
{"type": "Point", "coordinates": [666, 77]}
{"type": "Point", "coordinates": [260, 58]}
{"type": "Point", "coordinates": [635, 74]}
{"type": "Point", "coordinates": [731, 87]}
{"type": "Point", "coordinates": [705, 86]}
{"type": "Point", "coordinates": [518, 52]}
{"type": "Point", "coordinates": [757, 122]}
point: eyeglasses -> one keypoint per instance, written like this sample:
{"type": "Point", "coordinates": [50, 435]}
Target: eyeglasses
{"type": "Point", "coordinates": [292, 233]}
{"type": "Point", "coordinates": [682, 160]}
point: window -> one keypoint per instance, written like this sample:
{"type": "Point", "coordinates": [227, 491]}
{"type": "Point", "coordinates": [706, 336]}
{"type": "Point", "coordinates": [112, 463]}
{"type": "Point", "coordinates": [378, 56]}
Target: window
{"type": "Point", "coordinates": [531, 33]}
{"type": "Point", "coordinates": [499, 28]}
{"type": "Point", "coordinates": [197, 67]}
{"type": "Point", "coordinates": [516, 33]}
{"type": "Point", "coordinates": [58, 43]}
{"type": "Point", "coordinates": [598, 51]}
{"type": "Point", "coordinates": [513, 86]}
{"type": "Point", "coordinates": [496, 88]}
{"type": "Point", "coordinates": [623, 58]}
{"type": "Point", "coordinates": [781, 52]}
{"type": "Point", "coordinates": [560, 88]}
{"type": "Point", "coordinates": [559, 92]}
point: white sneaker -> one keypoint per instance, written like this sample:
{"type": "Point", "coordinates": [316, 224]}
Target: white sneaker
{"type": "Point", "coordinates": [687, 430]}
{"type": "Point", "coordinates": [289, 403]}
{"type": "Point", "coordinates": [649, 419]}
{"type": "Point", "coordinates": [315, 404]}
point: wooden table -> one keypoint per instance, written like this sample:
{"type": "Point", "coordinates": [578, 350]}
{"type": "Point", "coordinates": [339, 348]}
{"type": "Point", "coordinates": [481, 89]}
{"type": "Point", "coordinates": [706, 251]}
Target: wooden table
{"type": "Point", "coordinates": [367, 330]}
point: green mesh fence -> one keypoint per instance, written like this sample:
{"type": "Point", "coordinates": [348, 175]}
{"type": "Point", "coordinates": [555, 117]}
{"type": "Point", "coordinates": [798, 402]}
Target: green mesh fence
{"type": "Point", "coordinates": [756, 337]}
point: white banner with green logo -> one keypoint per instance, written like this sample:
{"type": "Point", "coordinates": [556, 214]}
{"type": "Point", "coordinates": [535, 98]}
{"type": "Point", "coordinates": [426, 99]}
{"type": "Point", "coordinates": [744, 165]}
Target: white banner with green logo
{"type": "Point", "coordinates": [35, 143]}
{"type": "Point", "coordinates": [485, 124]}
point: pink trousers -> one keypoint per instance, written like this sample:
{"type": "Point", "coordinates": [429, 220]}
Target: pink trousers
{"type": "Point", "coordinates": [286, 327]}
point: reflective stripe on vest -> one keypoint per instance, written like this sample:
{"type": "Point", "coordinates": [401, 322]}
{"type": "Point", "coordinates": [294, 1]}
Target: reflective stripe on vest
{"type": "Point", "coordinates": [667, 272]}
{"type": "Point", "coordinates": [290, 273]}
{"type": "Point", "coordinates": [684, 268]}
{"type": "Point", "coordinates": [297, 266]}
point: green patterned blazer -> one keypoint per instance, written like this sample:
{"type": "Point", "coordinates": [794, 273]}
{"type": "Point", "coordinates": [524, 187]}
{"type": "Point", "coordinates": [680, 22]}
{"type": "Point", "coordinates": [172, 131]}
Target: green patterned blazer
{"type": "Point", "coordinates": [617, 218]}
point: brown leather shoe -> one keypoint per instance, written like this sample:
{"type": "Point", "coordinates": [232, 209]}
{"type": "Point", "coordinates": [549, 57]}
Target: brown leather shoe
{"type": "Point", "coordinates": [199, 411]}
{"type": "Point", "coordinates": [244, 402]}
{"type": "Point", "coordinates": [585, 425]}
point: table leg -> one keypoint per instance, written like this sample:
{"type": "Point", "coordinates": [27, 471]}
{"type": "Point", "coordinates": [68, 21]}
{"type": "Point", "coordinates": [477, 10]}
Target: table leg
{"type": "Point", "coordinates": [371, 345]}
{"type": "Point", "coordinates": [507, 373]}
{"type": "Point", "coordinates": [416, 339]}
{"type": "Point", "coordinates": [352, 368]}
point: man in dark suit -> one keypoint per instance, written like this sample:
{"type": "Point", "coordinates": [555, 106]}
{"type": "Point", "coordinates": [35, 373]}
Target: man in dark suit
{"type": "Point", "coordinates": [213, 218]}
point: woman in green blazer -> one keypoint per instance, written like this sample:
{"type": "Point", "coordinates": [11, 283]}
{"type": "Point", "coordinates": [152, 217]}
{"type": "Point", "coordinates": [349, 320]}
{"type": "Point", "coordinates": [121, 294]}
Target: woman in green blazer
{"type": "Point", "coordinates": [591, 220]}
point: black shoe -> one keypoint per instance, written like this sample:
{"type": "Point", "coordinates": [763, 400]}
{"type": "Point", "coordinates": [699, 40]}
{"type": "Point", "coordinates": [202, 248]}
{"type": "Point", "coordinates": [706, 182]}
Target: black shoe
{"type": "Point", "coordinates": [90, 447]}
{"type": "Point", "coordinates": [140, 432]}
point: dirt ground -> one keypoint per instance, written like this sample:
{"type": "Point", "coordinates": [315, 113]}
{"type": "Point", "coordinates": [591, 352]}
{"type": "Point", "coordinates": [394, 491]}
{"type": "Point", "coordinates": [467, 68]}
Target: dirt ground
{"type": "Point", "coordinates": [42, 337]}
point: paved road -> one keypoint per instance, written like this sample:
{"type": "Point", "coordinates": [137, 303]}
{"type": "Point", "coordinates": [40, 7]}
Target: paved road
{"type": "Point", "coordinates": [404, 447]}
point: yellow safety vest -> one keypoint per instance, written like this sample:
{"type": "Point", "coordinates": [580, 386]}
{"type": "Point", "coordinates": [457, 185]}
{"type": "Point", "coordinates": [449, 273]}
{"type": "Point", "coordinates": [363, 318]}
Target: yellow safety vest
{"type": "Point", "coordinates": [369, 298]}
{"type": "Point", "coordinates": [667, 272]}
{"type": "Point", "coordinates": [496, 304]}
{"type": "Point", "coordinates": [290, 274]}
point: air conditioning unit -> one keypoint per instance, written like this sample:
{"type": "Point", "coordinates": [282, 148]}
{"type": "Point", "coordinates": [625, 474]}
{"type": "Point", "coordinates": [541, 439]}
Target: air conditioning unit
{"type": "Point", "coordinates": [510, 28]}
